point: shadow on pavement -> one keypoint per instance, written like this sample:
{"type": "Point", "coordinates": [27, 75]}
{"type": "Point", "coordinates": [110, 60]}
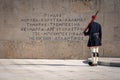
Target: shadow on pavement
{"type": "Point", "coordinates": [86, 61]}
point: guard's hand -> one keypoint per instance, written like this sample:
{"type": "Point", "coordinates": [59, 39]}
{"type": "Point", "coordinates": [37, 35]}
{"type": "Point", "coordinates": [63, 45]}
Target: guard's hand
{"type": "Point", "coordinates": [84, 33]}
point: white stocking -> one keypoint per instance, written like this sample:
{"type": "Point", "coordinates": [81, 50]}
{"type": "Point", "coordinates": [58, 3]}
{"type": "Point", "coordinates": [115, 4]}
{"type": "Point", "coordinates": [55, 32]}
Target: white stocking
{"type": "Point", "coordinates": [96, 57]}
{"type": "Point", "coordinates": [94, 51]}
{"type": "Point", "coordinates": [93, 54]}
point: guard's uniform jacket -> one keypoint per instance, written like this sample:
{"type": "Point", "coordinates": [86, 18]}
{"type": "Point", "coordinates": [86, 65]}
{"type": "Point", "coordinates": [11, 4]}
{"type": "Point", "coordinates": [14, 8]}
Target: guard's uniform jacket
{"type": "Point", "coordinates": [95, 34]}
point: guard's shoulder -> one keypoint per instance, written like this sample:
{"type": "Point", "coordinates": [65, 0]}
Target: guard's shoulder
{"type": "Point", "coordinates": [96, 23]}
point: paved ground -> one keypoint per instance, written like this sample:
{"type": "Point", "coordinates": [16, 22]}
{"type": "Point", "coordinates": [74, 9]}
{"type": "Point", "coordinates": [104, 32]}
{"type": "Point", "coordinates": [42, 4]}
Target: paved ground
{"type": "Point", "coordinates": [43, 69]}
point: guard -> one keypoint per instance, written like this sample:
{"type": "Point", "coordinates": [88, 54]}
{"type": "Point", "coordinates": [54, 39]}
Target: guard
{"type": "Point", "coordinates": [94, 32]}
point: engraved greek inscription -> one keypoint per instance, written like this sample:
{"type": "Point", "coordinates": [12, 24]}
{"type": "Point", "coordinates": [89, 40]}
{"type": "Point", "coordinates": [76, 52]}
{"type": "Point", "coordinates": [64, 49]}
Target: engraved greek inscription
{"type": "Point", "coordinates": [53, 27]}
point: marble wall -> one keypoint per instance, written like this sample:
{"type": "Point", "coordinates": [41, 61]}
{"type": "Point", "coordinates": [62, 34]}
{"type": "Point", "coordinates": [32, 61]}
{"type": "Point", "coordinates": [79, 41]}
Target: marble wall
{"type": "Point", "coordinates": [53, 28]}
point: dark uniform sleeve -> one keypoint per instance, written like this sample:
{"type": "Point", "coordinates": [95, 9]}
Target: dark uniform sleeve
{"type": "Point", "coordinates": [88, 31]}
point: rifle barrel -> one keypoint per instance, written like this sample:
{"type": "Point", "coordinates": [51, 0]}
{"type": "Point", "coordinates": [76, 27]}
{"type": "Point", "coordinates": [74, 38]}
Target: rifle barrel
{"type": "Point", "coordinates": [96, 13]}
{"type": "Point", "coordinates": [91, 21]}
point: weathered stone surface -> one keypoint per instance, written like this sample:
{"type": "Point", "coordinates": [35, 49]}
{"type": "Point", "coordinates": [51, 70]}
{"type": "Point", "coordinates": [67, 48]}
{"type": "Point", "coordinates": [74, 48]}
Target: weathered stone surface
{"type": "Point", "coordinates": [53, 28]}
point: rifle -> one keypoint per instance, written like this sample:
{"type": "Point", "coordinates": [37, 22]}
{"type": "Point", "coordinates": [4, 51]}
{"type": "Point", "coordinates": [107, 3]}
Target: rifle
{"type": "Point", "coordinates": [93, 18]}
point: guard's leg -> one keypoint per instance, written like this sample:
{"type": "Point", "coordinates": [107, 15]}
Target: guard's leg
{"type": "Point", "coordinates": [92, 59]}
{"type": "Point", "coordinates": [97, 58]}
{"type": "Point", "coordinates": [96, 55]}
{"type": "Point", "coordinates": [92, 62]}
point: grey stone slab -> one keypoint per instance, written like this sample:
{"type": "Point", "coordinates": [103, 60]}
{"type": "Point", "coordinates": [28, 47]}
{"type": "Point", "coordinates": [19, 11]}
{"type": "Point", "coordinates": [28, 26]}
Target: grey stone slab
{"type": "Point", "coordinates": [44, 69]}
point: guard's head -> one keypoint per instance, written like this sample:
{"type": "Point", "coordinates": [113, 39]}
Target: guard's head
{"type": "Point", "coordinates": [93, 17]}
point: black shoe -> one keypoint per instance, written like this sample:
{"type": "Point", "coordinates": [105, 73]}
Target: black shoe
{"type": "Point", "coordinates": [90, 63]}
